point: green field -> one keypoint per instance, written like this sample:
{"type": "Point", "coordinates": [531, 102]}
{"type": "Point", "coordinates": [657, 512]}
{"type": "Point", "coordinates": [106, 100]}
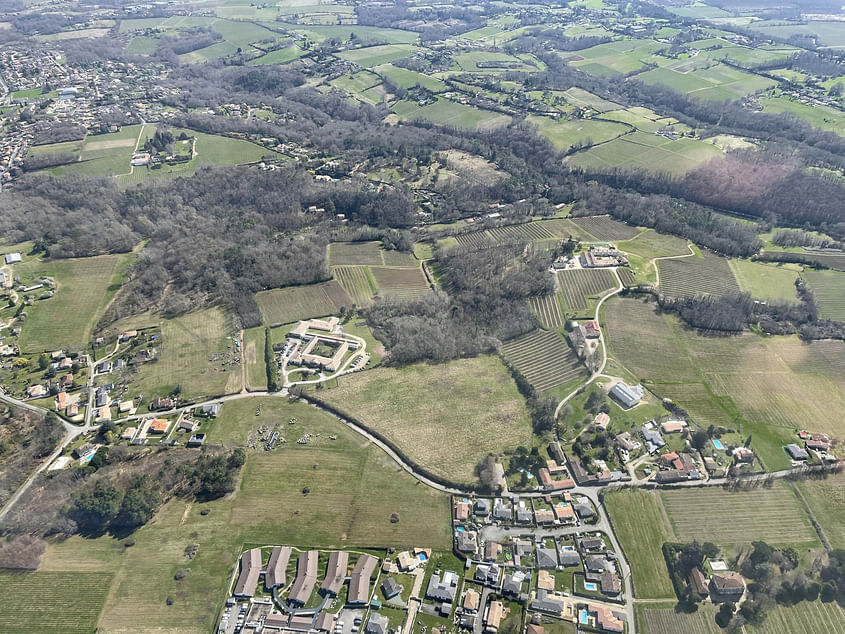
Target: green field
{"type": "Point", "coordinates": [286, 305]}
{"type": "Point", "coordinates": [544, 359]}
{"type": "Point", "coordinates": [829, 292]}
{"type": "Point", "coordinates": [565, 134]}
{"type": "Point", "coordinates": [818, 116]}
{"type": "Point", "coordinates": [765, 281]}
{"type": "Point", "coordinates": [650, 244]}
{"type": "Point", "coordinates": [771, 514]}
{"type": "Point", "coordinates": [473, 403]}
{"type": "Point", "coordinates": [354, 489]}
{"type": "Point", "coordinates": [717, 82]}
{"type": "Point", "coordinates": [252, 356]}
{"type": "Point", "coordinates": [582, 98]}
{"type": "Point", "coordinates": [638, 520]}
{"type": "Point", "coordinates": [451, 113]}
{"type": "Point", "coordinates": [826, 499]}
{"type": "Point", "coordinates": [52, 602]}
{"type": "Point", "coordinates": [279, 56]}
{"type": "Point", "coordinates": [84, 287]}
{"type": "Point", "coordinates": [189, 344]}
{"type": "Point", "coordinates": [408, 79]}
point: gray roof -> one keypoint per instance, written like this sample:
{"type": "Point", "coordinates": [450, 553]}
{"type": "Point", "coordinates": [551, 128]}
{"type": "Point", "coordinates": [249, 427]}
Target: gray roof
{"type": "Point", "coordinates": [544, 603]}
{"type": "Point", "coordinates": [443, 589]}
{"type": "Point", "coordinates": [590, 543]}
{"type": "Point", "coordinates": [390, 587]}
{"type": "Point", "coordinates": [523, 515]}
{"type": "Point", "coordinates": [547, 558]}
{"type": "Point", "coordinates": [511, 586]}
{"type": "Point", "coordinates": [595, 563]}
{"type": "Point", "coordinates": [570, 558]}
{"type": "Point", "coordinates": [482, 506]}
{"type": "Point", "coordinates": [467, 542]}
{"type": "Point", "coordinates": [584, 510]}
{"type": "Point", "coordinates": [796, 452]}
{"type": "Point", "coordinates": [502, 511]}
{"type": "Point", "coordinates": [377, 624]}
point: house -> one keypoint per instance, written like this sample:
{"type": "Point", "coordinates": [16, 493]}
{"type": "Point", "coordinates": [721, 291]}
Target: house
{"type": "Point", "coordinates": [188, 425]}
{"type": "Point", "coordinates": [60, 401]}
{"type": "Point", "coordinates": [502, 511]}
{"type": "Point", "coordinates": [531, 628]}
{"type": "Point", "coordinates": [605, 619]}
{"type": "Point", "coordinates": [359, 582]}
{"type": "Point", "coordinates": [161, 403]}
{"type": "Point", "coordinates": [669, 476]}
{"type": "Point", "coordinates": [471, 601]}
{"type": "Point", "coordinates": [72, 409]}
{"type": "Point", "coordinates": [564, 512]}
{"type": "Point", "coordinates": [493, 617]}
{"type": "Point", "coordinates": [595, 563]}
{"type": "Point", "coordinates": [796, 453]}
{"type": "Point", "coordinates": [442, 588]}
{"type": "Point", "coordinates": [590, 329]}
{"type": "Point", "coordinates": [104, 367]}
{"type": "Point", "coordinates": [325, 622]}
{"type": "Point", "coordinates": [744, 455]}
{"type": "Point", "coordinates": [488, 575]}
{"type": "Point", "coordinates": [212, 410]}
{"type": "Point", "coordinates": [66, 381]}
{"type": "Point", "coordinates": [556, 452]}
{"type": "Point", "coordinates": [585, 511]}
{"type": "Point", "coordinates": [602, 420]}
{"type": "Point", "coordinates": [710, 465]}
{"type": "Point", "coordinates": [126, 407]}
{"type": "Point", "coordinates": [653, 440]}
{"type": "Point", "coordinates": [13, 258]}
{"type": "Point", "coordinates": [36, 391]}
{"type": "Point", "coordinates": [817, 442]}
{"type": "Point", "coordinates": [335, 573]}
{"type": "Point", "coordinates": [65, 363]}
{"type": "Point", "coordinates": [250, 569]}
{"type": "Point", "coordinates": [196, 440]}
{"type": "Point", "coordinates": [523, 515]}
{"type": "Point", "coordinates": [461, 511]}
{"type": "Point", "coordinates": [698, 581]}
{"type": "Point", "coordinates": [128, 433]}
{"type": "Point", "coordinates": [544, 516]}
{"type": "Point", "coordinates": [467, 541]}
{"type": "Point", "coordinates": [544, 602]}
{"type": "Point", "coordinates": [673, 426]}
{"type": "Point", "coordinates": [512, 585]}
{"type": "Point", "coordinates": [522, 547]}
{"type": "Point", "coordinates": [591, 543]}
{"type": "Point", "coordinates": [158, 426]}
{"type": "Point", "coordinates": [547, 558]}
{"type": "Point", "coordinates": [275, 575]}
{"type": "Point", "coordinates": [727, 585]}
{"type": "Point", "coordinates": [492, 550]}
{"type": "Point", "coordinates": [390, 588]}
{"type": "Point", "coordinates": [84, 452]}
{"type": "Point", "coordinates": [627, 442]}
{"type": "Point", "coordinates": [378, 624]}
{"type": "Point", "coordinates": [627, 395]}
{"type": "Point", "coordinates": [482, 507]}
{"type": "Point", "coordinates": [569, 558]}
{"type": "Point", "coordinates": [102, 414]}
{"type": "Point", "coordinates": [101, 397]}
{"type": "Point", "coordinates": [407, 562]}
{"type": "Point", "coordinates": [545, 580]}
{"type": "Point", "coordinates": [306, 578]}
{"type": "Point", "coordinates": [611, 584]}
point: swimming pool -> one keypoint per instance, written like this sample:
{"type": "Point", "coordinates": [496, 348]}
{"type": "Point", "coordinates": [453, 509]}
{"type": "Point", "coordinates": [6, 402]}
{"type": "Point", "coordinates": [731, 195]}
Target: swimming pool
{"type": "Point", "coordinates": [583, 617]}
{"type": "Point", "coordinates": [460, 529]}
{"type": "Point", "coordinates": [422, 556]}
{"type": "Point", "coordinates": [718, 444]}
{"type": "Point", "coordinates": [589, 585]}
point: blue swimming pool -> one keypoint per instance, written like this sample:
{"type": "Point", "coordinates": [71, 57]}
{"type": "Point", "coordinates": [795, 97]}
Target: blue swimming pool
{"type": "Point", "coordinates": [460, 529]}
{"type": "Point", "coordinates": [583, 617]}
{"type": "Point", "coordinates": [422, 556]}
{"type": "Point", "coordinates": [589, 585]}
{"type": "Point", "coordinates": [718, 444]}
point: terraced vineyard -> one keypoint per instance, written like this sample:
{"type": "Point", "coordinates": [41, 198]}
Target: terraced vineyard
{"type": "Point", "coordinates": [356, 283]}
{"type": "Point", "coordinates": [544, 359]}
{"type": "Point", "coordinates": [400, 283]}
{"type": "Point", "coordinates": [829, 292]}
{"type": "Point", "coordinates": [579, 284]}
{"type": "Point", "coordinates": [606, 228]}
{"type": "Point", "coordinates": [547, 310]}
{"type": "Point", "coordinates": [506, 235]}
{"type": "Point", "coordinates": [708, 275]}
{"type": "Point", "coordinates": [772, 515]}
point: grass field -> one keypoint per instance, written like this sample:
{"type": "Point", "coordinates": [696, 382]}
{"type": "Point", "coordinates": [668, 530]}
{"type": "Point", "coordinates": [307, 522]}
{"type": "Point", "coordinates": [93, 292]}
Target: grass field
{"type": "Point", "coordinates": [52, 602]}
{"type": "Point", "coordinates": [826, 499]}
{"type": "Point", "coordinates": [665, 620]}
{"type": "Point", "coordinates": [582, 98]}
{"type": "Point", "coordinates": [650, 244]}
{"type": "Point", "coordinates": [816, 115]}
{"type": "Point", "coordinates": [285, 305]}
{"type": "Point", "coordinates": [565, 134]}
{"type": "Point", "coordinates": [606, 228]}
{"type": "Point", "coordinates": [188, 345]}
{"type": "Point", "coordinates": [544, 359]}
{"type": "Point", "coordinates": [341, 253]}
{"type": "Point", "coordinates": [378, 55]}
{"type": "Point", "coordinates": [472, 402]}
{"type": "Point", "coordinates": [354, 488]}
{"type": "Point", "coordinates": [638, 520]}
{"type": "Point", "coordinates": [818, 357]}
{"type": "Point", "coordinates": [253, 356]}
{"type": "Point", "coordinates": [766, 281]}
{"type": "Point", "coordinates": [451, 113]}
{"type": "Point", "coordinates": [357, 282]}
{"type": "Point", "coordinates": [84, 288]}
{"type": "Point", "coordinates": [714, 514]}
{"type": "Point", "coordinates": [647, 151]}
{"type": "Point", "coordinates": [408, 79]}
{"type": "Point", "coordinates": [547, 310]}
{"type": "Point", "coordinates": [708, 275]}
{"type": "Point", "coordinates": [401, 283]}
{"type": "Point", "coordinates": [829, 292]}
{"type": "Point", "coordinates": [717, 82]}
{"type": "Point", "coordinates": [807, 617]}
{"type": "Point", "coordinates": [578, 285]}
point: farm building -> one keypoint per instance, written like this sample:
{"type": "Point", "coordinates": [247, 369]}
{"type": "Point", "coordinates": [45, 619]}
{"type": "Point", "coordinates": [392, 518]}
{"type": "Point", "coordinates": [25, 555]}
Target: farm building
{"type": "Point", "coordinates": [796, 453]}
{"type": "Point", "coordinates": [727, 584]}
{"type": "Point", "coordinates": [627, 395]}
{"type": "Point", "coordinates": [602, 420]}
{"type": "Point", "coordinates": [13, 258]}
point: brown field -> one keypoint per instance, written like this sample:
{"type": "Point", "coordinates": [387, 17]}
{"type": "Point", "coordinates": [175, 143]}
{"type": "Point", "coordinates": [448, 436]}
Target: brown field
{"type": "Point", "coordinates": [109, 145]}
{"type": "Point", "coordinates": [400, 283]}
